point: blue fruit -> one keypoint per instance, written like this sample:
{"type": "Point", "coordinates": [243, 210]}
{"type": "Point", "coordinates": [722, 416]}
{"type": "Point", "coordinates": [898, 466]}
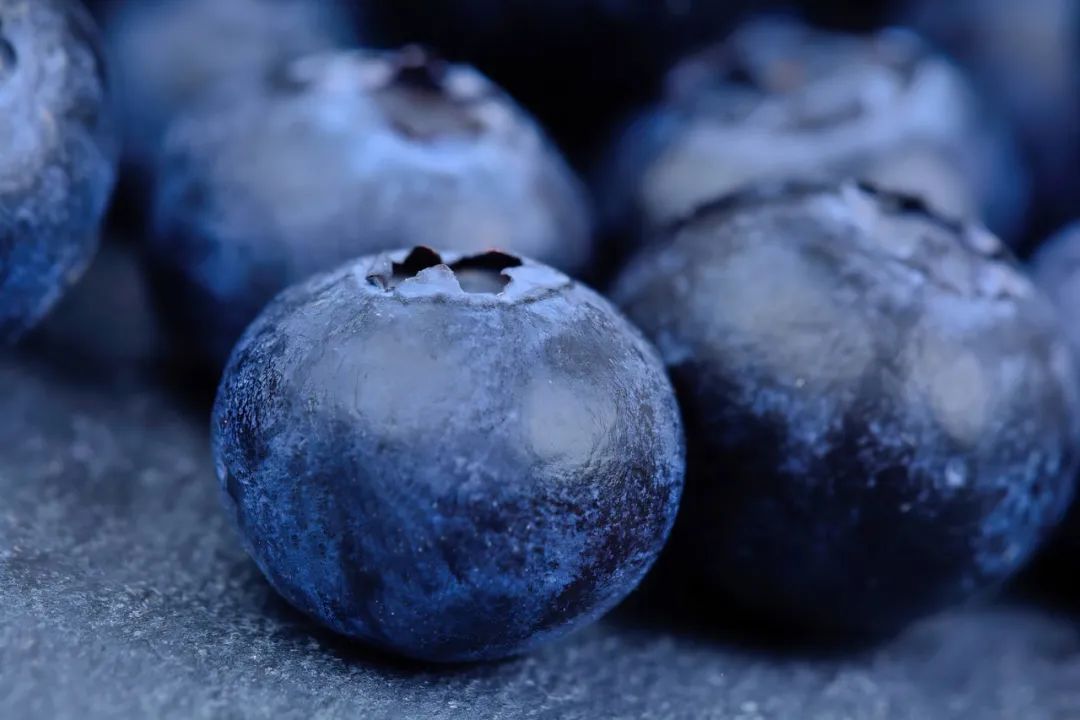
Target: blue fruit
{"type": "Point", "coordinates": [450, 457]}
{"type": "Point", "coordinates": [881, 416]}
{"type": "Point", "coordinates": [342, 155]}
{"type": "Point", "coordinates": [57, 163]}
{"type": "Point", "coordinates": [781, 100]}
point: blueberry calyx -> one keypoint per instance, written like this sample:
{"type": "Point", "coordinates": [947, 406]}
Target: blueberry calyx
{"type": "Point", "coordinates": [420, 100]}
{"type": "Point", "coordinates": [423, 272]}
{"type": "Point", "coordinates": [479, 274]}
{"type": "Point", "coordinates": [419, 69]}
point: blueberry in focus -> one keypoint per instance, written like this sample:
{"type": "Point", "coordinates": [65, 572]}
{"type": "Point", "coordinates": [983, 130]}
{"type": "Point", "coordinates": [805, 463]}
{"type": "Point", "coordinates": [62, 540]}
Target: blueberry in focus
{"type": "Point", "coordinates": [343, 155]}
{"type": "Point", "coordinates": [57, 166]}
{"type": "Point", "coordinates": [881, 416]}
{"type": "Point", "coordinates": [781, 100]}
{"type": "Point", "coordinates": [168, 55]}
{"type": "Point", "coordinates": [1026, 56]}
{"type": "Point", "coordinates": [449, 457]}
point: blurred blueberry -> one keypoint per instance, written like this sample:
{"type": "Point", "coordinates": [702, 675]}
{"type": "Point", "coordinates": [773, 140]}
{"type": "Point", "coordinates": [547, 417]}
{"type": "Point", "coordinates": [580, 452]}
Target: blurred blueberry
{"type": "Point", "coordinates": [449, 457]}
{"type": "Point", "coordinates": [1026, 56]}
{"type": "Point", "coordinates": [342, 155]}
{"type": "Point", "coordinates": [57, 161]}
{"type": "Point", "coordinates": [781, 100]}
{"type": "Point", "coordinates": [881, 415]}
{"type": "Point", "coordinates": [167, 55]}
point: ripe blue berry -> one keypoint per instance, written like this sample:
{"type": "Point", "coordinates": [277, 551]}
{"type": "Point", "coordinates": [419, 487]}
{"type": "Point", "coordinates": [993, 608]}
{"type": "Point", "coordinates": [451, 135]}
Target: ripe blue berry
{"type": "Point", "coordinates": [57, 163]}
{"type": "Point", "coordinates": [450, 457]}
{"type": "Point", "coordinates": [881, 416]}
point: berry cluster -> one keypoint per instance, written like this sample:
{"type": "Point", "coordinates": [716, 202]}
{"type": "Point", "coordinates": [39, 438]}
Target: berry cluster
{"type": "Point", "coordinates": [435, 438]}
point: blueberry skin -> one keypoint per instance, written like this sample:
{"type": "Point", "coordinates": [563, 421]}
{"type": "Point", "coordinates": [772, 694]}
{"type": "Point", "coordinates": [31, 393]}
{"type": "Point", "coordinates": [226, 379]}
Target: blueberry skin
{"type": "Point", "coordinates": [780, 100]}
{"type": "Point", "coordinates": [881, 416]}
{"type": "Point", "coordinates": [449, 475]}
{"type": "Point", "coordinates": [343, 155]}
{"type": "Point", "coordinates": [170, 55]}
{"type": "Point", "coordinates": [57, 165]}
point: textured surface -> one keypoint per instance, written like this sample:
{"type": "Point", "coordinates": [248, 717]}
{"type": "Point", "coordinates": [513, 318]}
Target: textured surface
{"type": "Point", "coordinates": [451, 474]}
{"type": "Point", "coordinates": [57, 166]}
{"type": "Point", "coordinates": [882, 418]}
{"type": "Point", "coordinates": [124, 594]}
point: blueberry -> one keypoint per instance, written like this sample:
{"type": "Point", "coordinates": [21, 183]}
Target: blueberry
{"type": "Point", "coordinates": [342, 155]}
{"type": "Point", "coordinates": [57, 164]}
{"type": "Point", "coordinates": [1026, 56]}
{"type": "Point", "coordinates": [780, 100]}
{"type": "Point", "coordinates": [168, 55]}
{"type": "Point", "coordinates": [881, 416]}
{"type": "Point", "coordinates": [450, 457]}
{"type": "Point", "coordinates": [848, 14]}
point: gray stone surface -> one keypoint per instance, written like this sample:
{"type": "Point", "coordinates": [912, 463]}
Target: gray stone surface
{"type": "Point", "coordinates": [124, 594]}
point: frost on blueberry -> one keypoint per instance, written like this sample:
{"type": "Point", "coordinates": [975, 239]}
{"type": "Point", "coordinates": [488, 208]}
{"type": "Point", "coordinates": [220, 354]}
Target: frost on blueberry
{"type": "Point", "coordinates": [881, 415]}
{"type": "Point", "coordinates": [343, 155]}
{"type": "Point", "coordinates": [57, 163]}
{"type": "Point", "coordinates": [453, 457]}
{"type": "Point", "coordinates": [779, 100]}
